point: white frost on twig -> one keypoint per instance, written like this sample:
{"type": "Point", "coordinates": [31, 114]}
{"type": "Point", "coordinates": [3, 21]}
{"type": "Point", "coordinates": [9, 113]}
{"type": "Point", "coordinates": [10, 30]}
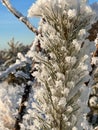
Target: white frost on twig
{"type": "Point", "coordinates": [21, 74]}
{"type": "Point", "coordinates": [11, 69]}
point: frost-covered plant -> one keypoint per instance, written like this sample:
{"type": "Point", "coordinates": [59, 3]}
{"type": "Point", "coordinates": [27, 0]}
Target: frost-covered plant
{"type": "Point", "coordinates": [9, 95]}
{"type": "Point", "coordinates": [63, 63]}
{"type": "Point", "coordinates": [62, 54]}
{"type": "Point", "coordinates": [9, 102]}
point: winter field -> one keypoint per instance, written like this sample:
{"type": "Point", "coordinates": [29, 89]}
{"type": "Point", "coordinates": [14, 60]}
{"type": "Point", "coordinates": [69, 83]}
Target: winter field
{"type": "Point", "coordinates": [52, 84]}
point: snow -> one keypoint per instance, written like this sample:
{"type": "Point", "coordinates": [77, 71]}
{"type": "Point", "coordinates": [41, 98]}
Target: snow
{"type": "Point", "coordinates": [20, 62]}
{"type": "Point", "coordinates": [74, 128]}
{"type": "Point", "coordinates": [21, 74]}
{"type": "Point", "coordinates": [12, 68]}
{"type": "Point", "coordinates": [96, 40]}
{"type": "Point", "coordinates": [9, 97]}
{"type": "Point", "coordinates": [93, 101]}
{"type": "Point", "coordinates": [72, 13]}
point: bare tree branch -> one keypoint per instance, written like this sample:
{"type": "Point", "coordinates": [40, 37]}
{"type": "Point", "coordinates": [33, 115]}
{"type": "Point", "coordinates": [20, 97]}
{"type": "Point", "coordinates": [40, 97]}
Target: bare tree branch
{"type": "Point", "coordinates": [20, 16]}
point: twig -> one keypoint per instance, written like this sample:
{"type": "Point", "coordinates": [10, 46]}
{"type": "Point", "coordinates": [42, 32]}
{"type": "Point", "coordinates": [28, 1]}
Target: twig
{"type": "Point", "coordinates": [20, 16]}
{"type": "Point", "coordinates": [22, 107]}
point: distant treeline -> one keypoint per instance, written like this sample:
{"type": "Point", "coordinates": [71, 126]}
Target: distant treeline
{"type": "Point", "coordinates": [13, 49]}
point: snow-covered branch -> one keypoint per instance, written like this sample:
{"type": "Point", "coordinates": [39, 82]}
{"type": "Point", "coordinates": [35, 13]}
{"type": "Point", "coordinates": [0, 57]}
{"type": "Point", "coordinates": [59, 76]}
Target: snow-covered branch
{"type": "Point", "coordinates": [10, 70]}
{"type": "Point", "coordinates": [20, 62]}
{"type": "Point", "coordinates": [20, 16]}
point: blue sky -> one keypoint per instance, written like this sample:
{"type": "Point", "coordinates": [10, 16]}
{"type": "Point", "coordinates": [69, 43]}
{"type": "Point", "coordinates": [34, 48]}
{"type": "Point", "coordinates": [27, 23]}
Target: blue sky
{"type": "Point", "coordinates": [91, 1]}
{"type": "Point", "coordinates": [10, 26]}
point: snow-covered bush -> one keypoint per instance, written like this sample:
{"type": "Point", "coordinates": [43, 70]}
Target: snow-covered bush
{"type": "Point", "coordinates": [10, 97]}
